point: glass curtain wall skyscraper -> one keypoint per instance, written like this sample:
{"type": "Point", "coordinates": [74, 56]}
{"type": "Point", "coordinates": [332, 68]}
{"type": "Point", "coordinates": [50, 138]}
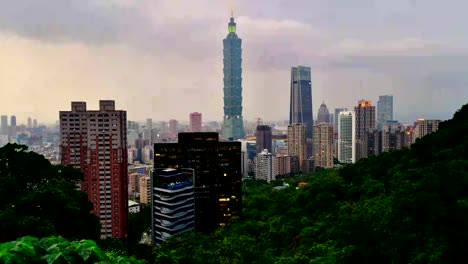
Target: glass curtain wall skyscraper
{"type": "Point", "coordinates": [384, 110]}
{"type": "Point", "coordinates": [233, 124]}
{"type": "Point", "coordinates": [300, 108]}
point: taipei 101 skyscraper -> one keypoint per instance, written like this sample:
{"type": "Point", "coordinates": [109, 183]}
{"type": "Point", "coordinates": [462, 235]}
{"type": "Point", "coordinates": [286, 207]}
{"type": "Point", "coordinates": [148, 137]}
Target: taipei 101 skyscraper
{"type": "Point", "coordinates": [233, 124]}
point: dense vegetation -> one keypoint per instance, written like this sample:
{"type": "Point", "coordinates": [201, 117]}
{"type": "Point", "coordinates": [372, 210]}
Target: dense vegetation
{"type": "Point", "coordinates": [407, 206]}
{"type": "Point", "coordinates": [39, 199]}
{"type": "Point", "coordinates": [57, 250]}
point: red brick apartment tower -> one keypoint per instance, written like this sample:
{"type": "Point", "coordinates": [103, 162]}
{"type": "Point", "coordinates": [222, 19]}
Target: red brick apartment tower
{"type": "Point", "coordinates": [195, 122]}
{"type": "Point", "coordinates": [96, 143]}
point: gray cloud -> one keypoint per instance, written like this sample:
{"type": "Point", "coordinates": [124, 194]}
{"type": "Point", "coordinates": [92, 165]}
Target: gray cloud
{"type": "Point", "coordinates": [356, 49]}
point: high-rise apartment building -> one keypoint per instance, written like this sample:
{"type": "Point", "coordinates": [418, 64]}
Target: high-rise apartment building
{"type": "Point", "coordinates": [233, 124]}
{"type": "Point", "coordinates": [423, 127]}
{"type": "Point", "coordinates": [94, 141]}
{"type": "Point", "coordinates": [393, 136]}
{"type": "Point", "coordinates": [264, 138]}
{"type": "Point", "coordinates": [323, 145]}
{"type": "Point", "coordinates": [172, 202]}
{"type": "Point", "coordinates": [384, 110]}
{"type": "Point", "coordinates": [34, 123]}
{"type": "Point", "coordinates": [346, 137]}
{"type": "Point", "coordinates": [337, 112]}
{"type": "Point", "coordinates": [297, 146]}
{"type": "Point", "coordinates": [218, 177]}
{"type": "Point", "coordinates": [133, 183]}
{"type": "Point", "coordinates": [323, 115]}
{"type": "Point", "coordinates": [283, 165]}
{"type": "Point", "coordinates": [13, 126]}
{"type": "Point", "coordinates": [195, 122]}
{"type": "Point", "coordinates": [4, 125]}
{"type": "Point", "coordinates": [145, 189]}
{"type": "Point", "coordinates": [265, 166]}
{"type": "Point", "coordinates": [300, 107]}
{"type": "Point", "coordinates": [29, 122]}
{"type": "Point", "coordinates": [365, 124]}
{"type": "Point", "coordinates": [173, 129]}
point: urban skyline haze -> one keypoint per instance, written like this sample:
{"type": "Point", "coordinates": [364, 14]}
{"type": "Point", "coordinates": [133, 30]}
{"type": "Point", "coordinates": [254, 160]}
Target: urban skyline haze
{"type": "Point", "coordinates": [148, 55]}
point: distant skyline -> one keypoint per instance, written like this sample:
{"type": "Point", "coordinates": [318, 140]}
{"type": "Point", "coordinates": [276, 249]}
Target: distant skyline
{"type": "Point", "coordinates": [163, 59]}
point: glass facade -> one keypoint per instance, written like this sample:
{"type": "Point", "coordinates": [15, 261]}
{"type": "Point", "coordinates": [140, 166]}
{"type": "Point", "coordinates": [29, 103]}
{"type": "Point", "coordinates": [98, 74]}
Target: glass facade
{"type": "Point", "coordinates": [233, 125]}
{"type": "Point", "coordinates": [173, 206]}
{"type": "Point", "coordinates": [300, 111]}
{"type": "Point", "coordinates": [384, 110]}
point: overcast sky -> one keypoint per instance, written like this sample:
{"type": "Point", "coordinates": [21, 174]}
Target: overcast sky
{"type": "Point", "coordinates": [163, 58]}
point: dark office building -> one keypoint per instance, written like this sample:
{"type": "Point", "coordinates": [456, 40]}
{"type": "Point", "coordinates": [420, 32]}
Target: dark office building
{"type": "Point", "coordinates": [300, 107]}
{"type": "Point", "coordinates": [264, 138]}
{"type": "Point", "coordinates": [217, 166]}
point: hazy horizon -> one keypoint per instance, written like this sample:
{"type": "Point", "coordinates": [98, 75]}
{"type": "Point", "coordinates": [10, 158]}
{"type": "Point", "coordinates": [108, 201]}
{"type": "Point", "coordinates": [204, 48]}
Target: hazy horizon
{"type": "Point", "coordinates": [163, 59]}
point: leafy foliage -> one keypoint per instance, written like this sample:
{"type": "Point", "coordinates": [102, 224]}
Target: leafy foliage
{"type": "Point", "coordinates": [58, 250]}
{"type": "Point", "coordinates": [39, 199]}
{"type": "Point", "coordinates": [407, 206]}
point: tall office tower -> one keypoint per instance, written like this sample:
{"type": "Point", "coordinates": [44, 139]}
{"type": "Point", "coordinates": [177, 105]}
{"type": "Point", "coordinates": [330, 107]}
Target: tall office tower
{"type": "Point", "coordinates": [172, 202]}
{"type": "Point", "coordinates": [297, 146]}
{"type": "Point", "coordinates": [392, 136]}
{"type": "Point", "coordinates": [147, 132]}
{"type": "Point", "coordinates": [144, 185]}
{"type": "Point", "coordinates": [265, 166]}
{"type": "Point", "coordinates": [4, 125]}
{"type": "Point", "coordinates": [264, 138]}
{"type": "Point", "coordinates": [332, 120]}
{"type": "Point", "coordinates": [173, 129]}
{"type": "Point", "coordinates": [423, 127]}
{"type": "Point", "coordinates": [13, 126]}
{"type": "Point", "coordinates": [337, 112]}
{"type": "Point", "coordinates": [323, 145]}
{"type": "Point", "coordinates": [283, 165]}
{"type": "Point", "coordinates": [34, 123]}
{"type": "Point", "coordinates": [233, 124]}
{"type": "Point", "coordinates": [323, 115]}
{"type": "Point", "coordinates": [218, 178]}
{"type": "Point", "coordinates": [94, 141]}
{"type": "Point", "coordinates": [384, 110]}
{"type": "Point", "coordinates": [347, 137]}
{"type": "Point", "coordinates": [149, 124]}
{"type": "Point", "coordinates": [195, 122]}
{"type": "Point", "coordinates": [300, 107]}
{"type": "Point", "coordinates": [29, 122]}
{"type": "Point", "coordinates": [365, 123]}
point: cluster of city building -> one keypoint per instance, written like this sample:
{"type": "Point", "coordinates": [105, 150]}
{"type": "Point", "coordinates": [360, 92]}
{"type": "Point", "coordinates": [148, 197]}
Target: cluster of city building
{"type": "Point", "coordinates": [191, 175]}
{"type": "Point", "coordinates": [331, 140]}
{"type": "Point", "coordinates": [39, 138]}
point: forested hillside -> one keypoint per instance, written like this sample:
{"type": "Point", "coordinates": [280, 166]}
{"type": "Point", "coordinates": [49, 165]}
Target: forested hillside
{"type": "Point", "coordinates": [407, 206]}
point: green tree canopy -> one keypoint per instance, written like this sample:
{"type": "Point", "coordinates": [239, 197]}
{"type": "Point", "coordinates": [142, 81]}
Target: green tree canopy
{"type": "Point", "coordinates": [406, 206]}
{"type": "Point", "coordinates": [40, 199]}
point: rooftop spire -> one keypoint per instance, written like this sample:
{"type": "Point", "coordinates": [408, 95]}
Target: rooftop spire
{"type": "Point", "coordinates": [232, 24]}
